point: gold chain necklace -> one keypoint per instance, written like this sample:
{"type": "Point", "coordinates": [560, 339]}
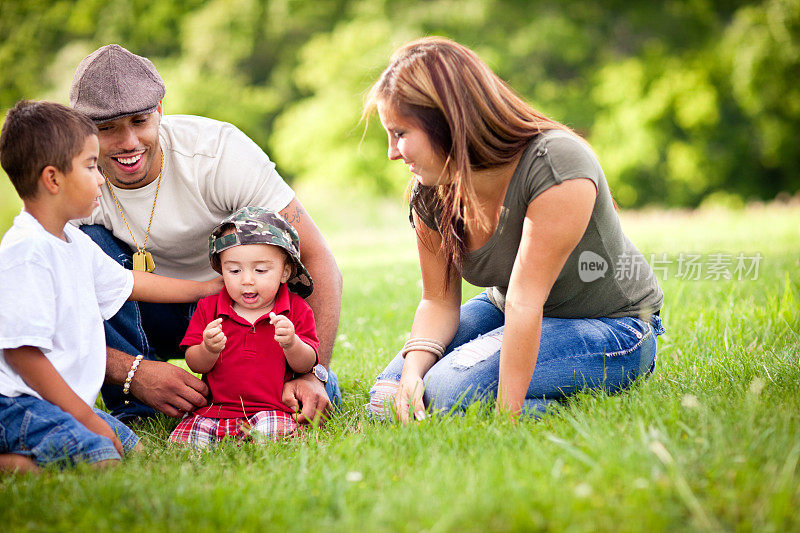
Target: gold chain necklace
{"type": "Point", "coordinates": [142, 259]}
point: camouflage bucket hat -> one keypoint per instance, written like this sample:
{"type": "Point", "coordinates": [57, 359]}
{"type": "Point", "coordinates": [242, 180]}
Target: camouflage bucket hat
{"type": "Point", "coordinates": [256, 225]}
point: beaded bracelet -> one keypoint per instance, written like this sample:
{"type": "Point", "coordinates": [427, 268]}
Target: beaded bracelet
{"type": "Point", "coordinates": [424, 345]}
{"type": "Point", "coordinates": [126, 387]}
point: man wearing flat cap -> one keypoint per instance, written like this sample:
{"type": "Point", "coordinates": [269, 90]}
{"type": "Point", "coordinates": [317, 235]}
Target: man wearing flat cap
{"type": "Point", "coordinates": [170, 179]}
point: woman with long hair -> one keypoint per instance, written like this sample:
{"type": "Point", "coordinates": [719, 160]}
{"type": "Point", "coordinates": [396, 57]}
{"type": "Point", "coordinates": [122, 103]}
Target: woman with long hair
{"type": "Point", "coordinates": [511, 200]}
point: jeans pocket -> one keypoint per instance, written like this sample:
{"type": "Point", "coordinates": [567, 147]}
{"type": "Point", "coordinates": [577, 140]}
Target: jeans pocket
{"type": "Point", "coordinates": [56, 445]}
{"type": "Point", "coordinates": [639, 328]}
{"type": "Point", "coordinates": [624, 335]}
{"type": "Point", "coordinates": [47, 438]}
{"type": "Point", "coordinates": [646, 332]}
{"type": "Point", "coordinates": [631, 345]}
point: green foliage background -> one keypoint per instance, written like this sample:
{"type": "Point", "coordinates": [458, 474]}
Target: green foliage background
{"type": "Point", "coordinates": [681, 99]}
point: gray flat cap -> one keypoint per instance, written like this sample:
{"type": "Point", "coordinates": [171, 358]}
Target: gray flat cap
{"type": "Point", "coordinates": [112, 83]}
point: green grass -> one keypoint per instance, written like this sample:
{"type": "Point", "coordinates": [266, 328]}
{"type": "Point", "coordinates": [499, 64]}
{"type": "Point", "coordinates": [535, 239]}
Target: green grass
{"type": "Point", "coordinates": [10, 204]}
{"type": "Point", "coordinates": [710, 442]}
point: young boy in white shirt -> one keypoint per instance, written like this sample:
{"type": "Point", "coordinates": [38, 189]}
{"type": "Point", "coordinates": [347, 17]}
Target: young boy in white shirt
{"type": "Point", "coordinates": [56, 287]}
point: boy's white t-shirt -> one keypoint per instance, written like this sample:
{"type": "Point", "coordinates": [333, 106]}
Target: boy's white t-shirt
{"type": "Point", "coordinates": [54, 295]}
{"type": "Point", "coordinates": [211, 170]}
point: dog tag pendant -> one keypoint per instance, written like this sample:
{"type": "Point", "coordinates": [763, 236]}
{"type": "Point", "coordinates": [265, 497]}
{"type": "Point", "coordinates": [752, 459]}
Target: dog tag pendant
{"type": "Point", "coordinates": [138, 261]}
{"type": "Point", "coordinates": [143, 261]}
{"type": "Point", "coordinates": [149, 264]}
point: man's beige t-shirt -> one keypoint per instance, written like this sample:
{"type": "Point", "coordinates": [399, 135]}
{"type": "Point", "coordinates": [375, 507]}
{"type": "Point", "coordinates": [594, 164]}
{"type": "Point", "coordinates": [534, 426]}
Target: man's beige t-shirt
{"type": "Point", "coordinates": [211, 169]}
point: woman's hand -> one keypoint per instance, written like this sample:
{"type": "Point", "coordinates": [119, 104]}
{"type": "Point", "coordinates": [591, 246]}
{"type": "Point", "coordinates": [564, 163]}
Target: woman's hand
{"type": "Point", "coordinates": [408, 401]}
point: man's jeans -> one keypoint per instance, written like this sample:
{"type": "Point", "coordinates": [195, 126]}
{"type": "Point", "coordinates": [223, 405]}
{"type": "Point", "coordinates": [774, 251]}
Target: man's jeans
{"type": "Point", "coordinates": [574, 355]}
{"type": "Point", "coordinates": [153, 330]}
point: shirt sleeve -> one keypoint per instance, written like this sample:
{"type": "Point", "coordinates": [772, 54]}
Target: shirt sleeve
{"type": "Point", "coordinates": [198, 323]}
{"type": "Point", "coordinates": [245, 176]}
{"type": "Point", "coordinates": [304, 325]}
{"type": "Point", "coordinates": [113, 283]}
{"type": "Point", "coordinates": [27, 306]}
{"type": "Point", "coordinates": [562, 157]}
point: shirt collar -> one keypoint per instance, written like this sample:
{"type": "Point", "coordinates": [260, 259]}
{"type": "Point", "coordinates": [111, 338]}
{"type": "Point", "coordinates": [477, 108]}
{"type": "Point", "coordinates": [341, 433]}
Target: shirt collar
{"type": "Point", "coordinates": [225, 303]}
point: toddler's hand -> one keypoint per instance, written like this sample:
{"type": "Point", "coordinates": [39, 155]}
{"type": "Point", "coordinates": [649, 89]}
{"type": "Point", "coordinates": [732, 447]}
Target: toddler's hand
{"type": "Point", "coordinates": [213, 337]}
{"type": "Point", "coordinates": [284, 330]}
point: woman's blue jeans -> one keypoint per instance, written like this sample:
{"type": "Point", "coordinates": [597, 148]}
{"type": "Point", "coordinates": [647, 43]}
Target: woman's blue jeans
{"type": "Point", "coordinates": [574, 355]}
{"type": "Point", "coordinates": [153, 330]}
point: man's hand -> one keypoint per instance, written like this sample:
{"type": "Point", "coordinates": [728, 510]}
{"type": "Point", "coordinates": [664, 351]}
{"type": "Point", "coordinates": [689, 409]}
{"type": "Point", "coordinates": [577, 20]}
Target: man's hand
{"type": "Point", "coordinates": [168, 388]}
{"type": "Point", "coordinates": [306, 396]}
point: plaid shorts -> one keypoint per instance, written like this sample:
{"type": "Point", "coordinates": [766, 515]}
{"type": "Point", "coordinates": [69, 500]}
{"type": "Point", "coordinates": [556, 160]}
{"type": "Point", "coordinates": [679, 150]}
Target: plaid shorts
{"type": "Point", "coordinates": [201, 431]}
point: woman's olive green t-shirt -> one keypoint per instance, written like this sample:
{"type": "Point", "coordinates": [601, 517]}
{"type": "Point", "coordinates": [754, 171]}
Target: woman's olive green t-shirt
{"type": "Point", "coordinates": [604, 276]}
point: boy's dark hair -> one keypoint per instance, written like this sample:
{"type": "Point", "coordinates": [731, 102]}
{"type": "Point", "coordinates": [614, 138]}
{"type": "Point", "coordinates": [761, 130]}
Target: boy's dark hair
{"type": "Point", "coordinates": [38, 134]}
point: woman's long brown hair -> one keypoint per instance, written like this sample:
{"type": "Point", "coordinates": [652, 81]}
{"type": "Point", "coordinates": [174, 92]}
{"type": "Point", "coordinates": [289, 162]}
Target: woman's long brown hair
{"type": "Point", "coordinates": [469, 114]}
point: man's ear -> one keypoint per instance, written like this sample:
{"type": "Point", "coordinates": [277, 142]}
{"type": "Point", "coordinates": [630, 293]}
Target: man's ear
{"type": "Point", "coordinates": [50, 179]}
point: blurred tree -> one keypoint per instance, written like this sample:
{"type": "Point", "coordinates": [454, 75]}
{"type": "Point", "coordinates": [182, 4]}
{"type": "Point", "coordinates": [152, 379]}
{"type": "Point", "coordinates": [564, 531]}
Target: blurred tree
{"type": "Point", "coordinates": [317, 138]}
{"type": "Point", "coordinates": [680, 99]}
{"type": "Point", "coordinates": [33, 32]}
{"type": "Point", "coordinates": [237, 56]}
{"type": "Point", "coordinates": [761, 49]}
{"type": "Point", "coordinates": [30, 33]}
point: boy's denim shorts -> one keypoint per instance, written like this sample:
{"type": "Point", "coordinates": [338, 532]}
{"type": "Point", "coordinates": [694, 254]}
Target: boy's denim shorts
{"type": "Point", "coordinates": [42, 431]}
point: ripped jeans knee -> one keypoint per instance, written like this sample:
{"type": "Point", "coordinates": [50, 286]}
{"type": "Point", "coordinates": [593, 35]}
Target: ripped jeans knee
{"type": "Point", "coordinates": [381, 398]}
{"type": "Point", "coordinates": [468, 374]}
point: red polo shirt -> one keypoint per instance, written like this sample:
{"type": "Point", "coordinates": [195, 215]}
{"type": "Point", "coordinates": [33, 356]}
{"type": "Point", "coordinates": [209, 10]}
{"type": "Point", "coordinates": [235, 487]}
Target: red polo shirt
{"type": "Point", "coordinates": [250, 372]}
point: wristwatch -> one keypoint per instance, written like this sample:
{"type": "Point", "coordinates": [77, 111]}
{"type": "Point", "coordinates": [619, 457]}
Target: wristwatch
{"type": "Point", "coordinates": [321, 373]}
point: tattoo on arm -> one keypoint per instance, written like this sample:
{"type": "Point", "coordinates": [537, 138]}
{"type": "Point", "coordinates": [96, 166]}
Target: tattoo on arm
{"type": "Point", "coordinates": [293, 216]}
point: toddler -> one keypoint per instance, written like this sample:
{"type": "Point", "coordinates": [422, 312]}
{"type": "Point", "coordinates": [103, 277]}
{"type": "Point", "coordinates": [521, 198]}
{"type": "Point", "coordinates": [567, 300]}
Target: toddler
{"type": "Point", "coordinates": [247, 340]}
